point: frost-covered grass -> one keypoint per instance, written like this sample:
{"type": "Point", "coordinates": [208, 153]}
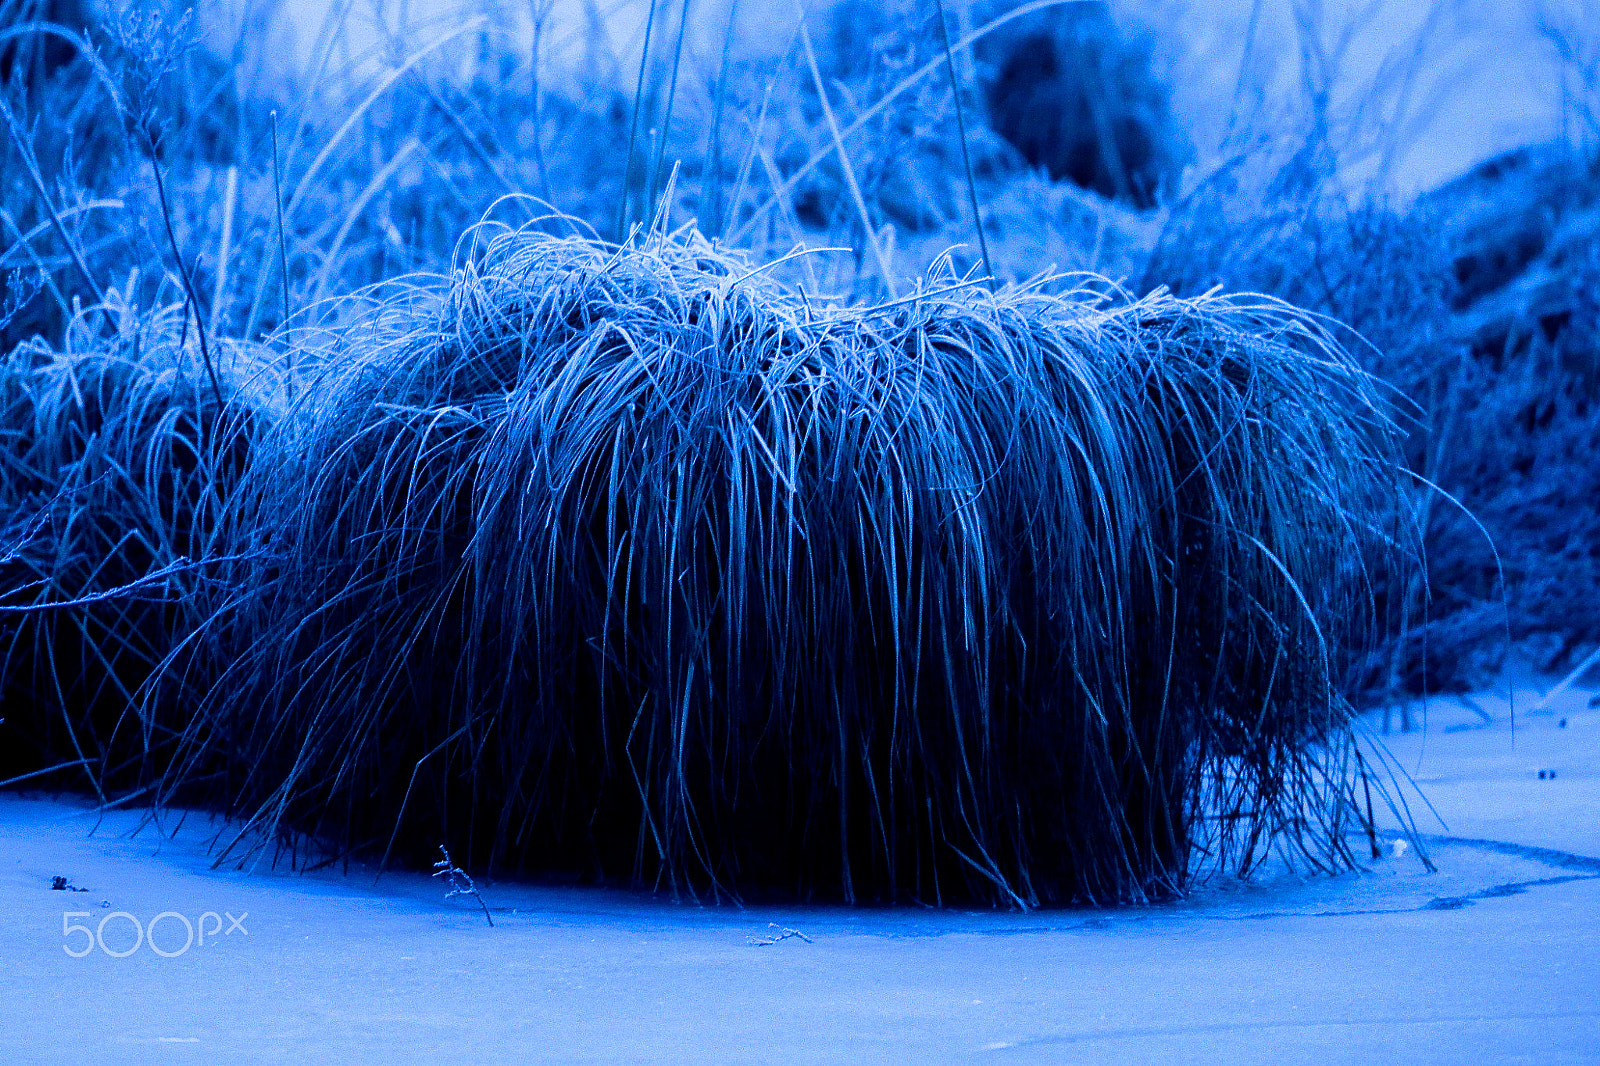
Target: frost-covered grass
{"type": "Point", "coordinates": [118, 460]}
{"type": "Point", "coordinates": [842, 573]}
{"type": "Point", "coordinates": [1008, 596]}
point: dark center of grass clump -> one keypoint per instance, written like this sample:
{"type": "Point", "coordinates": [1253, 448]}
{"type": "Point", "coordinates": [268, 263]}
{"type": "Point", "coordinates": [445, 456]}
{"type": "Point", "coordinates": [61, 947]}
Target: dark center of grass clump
{"type": "Point", "coordinates": [630, 564]}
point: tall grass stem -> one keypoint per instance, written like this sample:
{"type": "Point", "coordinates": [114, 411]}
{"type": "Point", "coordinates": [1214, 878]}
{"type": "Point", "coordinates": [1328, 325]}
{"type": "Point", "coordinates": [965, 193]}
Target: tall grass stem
{"type": "Point", "coordinates": [869, 233]}
{"type": "Point", "coordinates": [966, 154]}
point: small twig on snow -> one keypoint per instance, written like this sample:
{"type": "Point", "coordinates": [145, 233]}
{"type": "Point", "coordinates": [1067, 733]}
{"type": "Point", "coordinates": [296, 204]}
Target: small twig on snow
{"type": "Point", "coordinates": [460, 882]}
{"type": "Point", "coordinates": [782, 934]}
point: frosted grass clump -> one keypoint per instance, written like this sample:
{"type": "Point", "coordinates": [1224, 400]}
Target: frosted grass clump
{"type": "Point", "coordinates": [632, 564]}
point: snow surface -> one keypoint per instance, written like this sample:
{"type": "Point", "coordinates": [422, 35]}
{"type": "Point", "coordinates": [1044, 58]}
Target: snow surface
{"type": "Point", "coordinates": [1493, 959]}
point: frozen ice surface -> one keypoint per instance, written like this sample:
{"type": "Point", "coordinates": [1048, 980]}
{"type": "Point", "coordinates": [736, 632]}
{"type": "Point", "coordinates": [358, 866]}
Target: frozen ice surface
{"type": "Point", "coordinates": [1493, 959]}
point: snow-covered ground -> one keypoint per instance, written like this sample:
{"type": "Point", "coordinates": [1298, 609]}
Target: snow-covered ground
{"type": "Point", "coordinates": [1493, 959]}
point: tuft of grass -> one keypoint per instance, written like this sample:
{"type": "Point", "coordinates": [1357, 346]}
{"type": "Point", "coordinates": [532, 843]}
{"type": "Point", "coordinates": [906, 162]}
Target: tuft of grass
{"type": "Point", "coordinates": [632, 562]}
{"type": "Point", "coordinates": [116, 464]}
